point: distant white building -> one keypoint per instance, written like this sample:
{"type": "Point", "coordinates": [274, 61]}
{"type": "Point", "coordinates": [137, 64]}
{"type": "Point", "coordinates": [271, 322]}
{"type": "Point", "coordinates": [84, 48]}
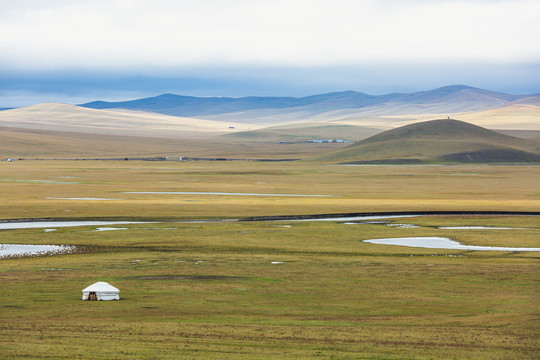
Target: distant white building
{"type": "Point", "coordinates": [9, 160]}
{"type": "Point", "coordinates": [174, 158]}
{"type": "Point", "coordinates": [101, 291]}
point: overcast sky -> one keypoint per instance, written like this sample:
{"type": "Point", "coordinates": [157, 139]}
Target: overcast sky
{"type": "Point", "coordinates": [79, 50]}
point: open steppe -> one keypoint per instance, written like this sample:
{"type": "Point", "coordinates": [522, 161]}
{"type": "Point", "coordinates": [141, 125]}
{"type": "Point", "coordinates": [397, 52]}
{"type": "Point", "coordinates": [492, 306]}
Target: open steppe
{"type": "Point", "coordinates": [43, 144]}
{"type": "Point", "coordinates": [26, 185]}
{"type": "Point", "coordinates": [252, 127]}
{"type": "Point", "coordinates": [207, 277]}
{"type": "Point", "coordinates": [269, 289]}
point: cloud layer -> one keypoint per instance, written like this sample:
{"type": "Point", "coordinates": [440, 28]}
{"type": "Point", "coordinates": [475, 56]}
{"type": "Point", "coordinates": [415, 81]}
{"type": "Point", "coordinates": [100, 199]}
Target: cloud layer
{"type": "Point", "coordinates": [169, 34]}
{"type": "Point", "coordinates": [80, 50]}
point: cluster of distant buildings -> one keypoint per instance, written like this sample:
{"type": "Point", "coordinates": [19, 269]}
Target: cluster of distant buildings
{"type": "Point", "coordinates": [327, 141]}
{"type": "Point", "coordinates": [319, 141]}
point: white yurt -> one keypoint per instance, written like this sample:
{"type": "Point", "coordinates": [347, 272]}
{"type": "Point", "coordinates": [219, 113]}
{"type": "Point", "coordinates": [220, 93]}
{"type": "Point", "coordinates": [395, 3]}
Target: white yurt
{"type": "Point", "coordinates": [101, 291]}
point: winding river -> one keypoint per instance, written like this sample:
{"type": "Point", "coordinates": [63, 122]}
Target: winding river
{"type": "Point", "coordinates": [7, 250]}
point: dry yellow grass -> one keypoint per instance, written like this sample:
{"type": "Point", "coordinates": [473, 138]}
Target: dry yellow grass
{"type": "Point", "coordinates": [64, 117]}
{"type": "Point", "coordinates": [44, 144]}
{"type": "Point", "coordinates": [26, 185]}
{"type": "Point", "coordinates": [210, 290]}
{"type": "Point", "coordinates": [512, 117]}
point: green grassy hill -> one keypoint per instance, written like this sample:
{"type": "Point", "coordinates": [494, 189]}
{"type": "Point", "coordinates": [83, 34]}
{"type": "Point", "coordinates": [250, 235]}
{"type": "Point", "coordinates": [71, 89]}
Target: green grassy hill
{"type": "Point", "coordinates": [438, 141]}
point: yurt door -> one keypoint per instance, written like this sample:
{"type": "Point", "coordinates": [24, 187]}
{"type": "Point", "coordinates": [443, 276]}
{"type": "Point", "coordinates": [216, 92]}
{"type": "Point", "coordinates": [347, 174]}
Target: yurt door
{"type": "Point", "coordinates": [92, 296]}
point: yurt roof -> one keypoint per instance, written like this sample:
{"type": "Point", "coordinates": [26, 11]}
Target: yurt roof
{"type": "Point", "coordinates": [101, 286]}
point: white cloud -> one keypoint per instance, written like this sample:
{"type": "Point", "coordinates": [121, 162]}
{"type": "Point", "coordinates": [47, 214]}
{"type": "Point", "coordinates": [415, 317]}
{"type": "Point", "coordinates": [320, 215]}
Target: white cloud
{"type": "Point", "coordinates": [154, 34]}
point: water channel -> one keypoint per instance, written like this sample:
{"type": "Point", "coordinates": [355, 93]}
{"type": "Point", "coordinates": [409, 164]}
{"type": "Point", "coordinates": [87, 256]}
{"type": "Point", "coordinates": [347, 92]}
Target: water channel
{"type": "Point", "coordinates": [7, 250]}
{"type": "Point", "coordinates": [441, 243]}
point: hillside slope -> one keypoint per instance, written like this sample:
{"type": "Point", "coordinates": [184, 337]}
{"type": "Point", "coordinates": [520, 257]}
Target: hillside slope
{"type": "Point", "coordinates": [298, 132]}
{"type": "Point", "coordinates": [71, 118]}
{"type": "Point", "coordinates": [45, 144]}
{"type": "Point", "coordinates": [512, 117]}
{"type": "Point", "coordinates": [437, 141]}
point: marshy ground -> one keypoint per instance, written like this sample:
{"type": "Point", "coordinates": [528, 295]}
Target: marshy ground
{"type": "Point", "coordinates": [262, 289]}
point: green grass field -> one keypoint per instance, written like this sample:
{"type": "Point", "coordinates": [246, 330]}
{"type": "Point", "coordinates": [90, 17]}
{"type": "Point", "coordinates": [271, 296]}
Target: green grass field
{"type": "Point", "coordinates": [269, 290]}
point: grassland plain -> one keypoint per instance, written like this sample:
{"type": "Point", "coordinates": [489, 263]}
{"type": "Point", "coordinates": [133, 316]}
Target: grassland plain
{"type": "Point", "coordinates": [269, 289]}
{"type": "Point", "coordinates": [45, 144]}
{"type": "Point", "coordinates": [43, 189]}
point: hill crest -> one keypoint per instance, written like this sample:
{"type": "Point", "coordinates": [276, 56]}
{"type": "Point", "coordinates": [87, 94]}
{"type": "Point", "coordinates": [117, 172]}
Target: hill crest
{"type": "Point", "coordinates": [436, 129]}
{"type": "Point", "coordinates": [444, 140]}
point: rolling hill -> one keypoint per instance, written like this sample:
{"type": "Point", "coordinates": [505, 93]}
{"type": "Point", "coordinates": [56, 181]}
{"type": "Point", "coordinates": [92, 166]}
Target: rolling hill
{"type": "Point", "coordinates": [298, 132]}
{"type": "Point", "coordinates": [61, 129]}
{"type": "Point", "coordinates": [512, 117]}
{"type": "Point", "coordinates": [437, 141]}
{"type": "Point", "coordinates": [46, 144]}
{"type": "Point", "coordinates": [71, 118]}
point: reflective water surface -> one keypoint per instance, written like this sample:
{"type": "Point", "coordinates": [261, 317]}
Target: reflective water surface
{"type": "Point", "coordinates": [217, 193]}
{"type": "Point", "coordinates": [441, 243]}
{"type": "Point", "coordinates": [57, 224]}
{"type": "Point", "coordinates": [7, 250]}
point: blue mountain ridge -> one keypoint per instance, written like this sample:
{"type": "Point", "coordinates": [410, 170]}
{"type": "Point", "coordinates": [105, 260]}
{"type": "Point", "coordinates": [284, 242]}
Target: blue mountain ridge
{"type": "Point", "coordinates": [179, 105]}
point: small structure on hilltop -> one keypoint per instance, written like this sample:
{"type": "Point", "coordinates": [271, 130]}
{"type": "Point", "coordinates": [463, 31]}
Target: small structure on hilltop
{"type": "Point", "coordinates": [101, 291]}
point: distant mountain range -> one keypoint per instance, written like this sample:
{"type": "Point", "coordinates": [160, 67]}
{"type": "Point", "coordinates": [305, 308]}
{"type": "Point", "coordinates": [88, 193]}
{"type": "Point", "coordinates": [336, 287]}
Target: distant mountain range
{"type": "Point", "coordinates": [347, 104]}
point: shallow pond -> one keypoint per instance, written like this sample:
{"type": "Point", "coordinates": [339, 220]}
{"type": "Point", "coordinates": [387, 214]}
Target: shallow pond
{"type": "Point", "coordinates": [39, 181]}
{"type": "Point", "coordinates": [7, 250]}
{"type": "Point", "coordinates": [441, 243]}
{"type": "Point", "coordinates": [424, 242]}
{"type": "Point", "coordinates": [478, 228]}
{"type": "Point", "coordinates": [354, 218]}
{"type": "Point", "coordinates": [56, 224]}
{"type": "Point", "coordinates": [86, 199]}
{"type": "Point", "coordinates": [217, 193]}
{"type": "Point", "coordinates": [109, 229]}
